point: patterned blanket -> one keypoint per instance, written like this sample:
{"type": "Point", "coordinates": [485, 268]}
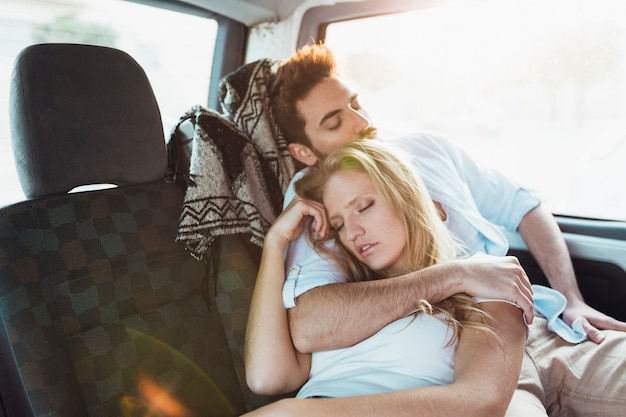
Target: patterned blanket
{"type": "Point", "coordinates": [245, 100]}
{"type": "Point", "coordinates": [239, 166]}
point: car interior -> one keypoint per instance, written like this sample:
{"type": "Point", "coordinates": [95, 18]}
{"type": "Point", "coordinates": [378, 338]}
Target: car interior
{"type": "Point", "coordinates": [131, 298]}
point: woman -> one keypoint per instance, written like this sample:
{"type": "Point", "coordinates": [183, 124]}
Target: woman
{"type": "Point", "coordinates": [443, 359]}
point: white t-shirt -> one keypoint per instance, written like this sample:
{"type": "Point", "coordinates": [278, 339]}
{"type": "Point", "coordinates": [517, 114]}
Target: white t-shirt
{"type": "Point", "coordinates": [411, 352]}
{"type": "Point", "coordinates": [407, 353]}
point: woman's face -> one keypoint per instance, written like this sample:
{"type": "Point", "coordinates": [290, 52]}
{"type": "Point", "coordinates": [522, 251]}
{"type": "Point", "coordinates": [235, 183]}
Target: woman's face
{"type": "Point", "coordinates": [367, 226]}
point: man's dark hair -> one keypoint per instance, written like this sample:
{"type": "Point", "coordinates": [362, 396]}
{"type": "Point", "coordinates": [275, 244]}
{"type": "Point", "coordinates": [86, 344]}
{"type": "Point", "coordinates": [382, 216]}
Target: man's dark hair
{"type": "Point", "coordinates": [294, 79]}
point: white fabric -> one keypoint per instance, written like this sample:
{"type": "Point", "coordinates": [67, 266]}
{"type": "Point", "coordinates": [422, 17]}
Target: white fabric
{"type": "Point", "coordinates": [478, 203]}
{"type": "Point", "coordinates": [408, 353]}
{"type": "Point", "coordinates": [411, 352]}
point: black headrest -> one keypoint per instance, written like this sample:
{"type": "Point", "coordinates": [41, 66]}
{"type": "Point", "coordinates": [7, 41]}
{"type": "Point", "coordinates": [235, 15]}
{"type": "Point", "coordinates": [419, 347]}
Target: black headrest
{"type": "Point", "coordinates": [83, 115]}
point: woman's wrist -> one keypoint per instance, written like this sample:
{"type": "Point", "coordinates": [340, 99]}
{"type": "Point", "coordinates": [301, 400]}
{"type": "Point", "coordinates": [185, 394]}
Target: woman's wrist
{"type": "Point", "coordinates": [275, 241]}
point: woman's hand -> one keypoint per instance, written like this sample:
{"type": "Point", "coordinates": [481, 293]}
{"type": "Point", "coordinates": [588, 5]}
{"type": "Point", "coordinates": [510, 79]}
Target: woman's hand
{"type": "Point", "coordinates": [289, 224]}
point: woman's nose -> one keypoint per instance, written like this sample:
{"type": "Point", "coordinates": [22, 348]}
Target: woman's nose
{"type": "Point", "coordinates": [353, 230]}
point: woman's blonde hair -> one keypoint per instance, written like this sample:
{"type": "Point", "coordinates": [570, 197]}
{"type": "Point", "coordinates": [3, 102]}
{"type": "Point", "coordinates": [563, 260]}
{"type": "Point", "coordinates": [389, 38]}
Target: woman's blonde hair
{"type": "Point", "coordinates": [428, 240]}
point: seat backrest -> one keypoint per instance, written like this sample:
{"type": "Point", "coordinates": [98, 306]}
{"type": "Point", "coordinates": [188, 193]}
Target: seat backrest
{"type": "Point", "coordinates": [199, 143]}
{"type": "Point", "coordinates": [102, 313]}
{"type": "Point", "coordinates": [232, 259]}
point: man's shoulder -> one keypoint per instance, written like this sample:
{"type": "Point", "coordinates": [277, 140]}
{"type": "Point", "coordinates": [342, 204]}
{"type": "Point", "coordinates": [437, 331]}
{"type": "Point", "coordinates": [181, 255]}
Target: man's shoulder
{"type": "Point", "coordinates": [420, 138]}
{"type": "Point", "coordinates": [425, 144]}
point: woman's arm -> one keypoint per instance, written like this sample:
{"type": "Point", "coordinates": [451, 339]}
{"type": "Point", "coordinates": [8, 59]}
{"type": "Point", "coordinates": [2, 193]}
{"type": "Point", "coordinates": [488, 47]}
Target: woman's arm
{"type": "Point", "coordinates": [487, 371]}
{"type": "Point", "coordinates": [272, 364]}
{"type": "Point", "coordinates": [485, 378]}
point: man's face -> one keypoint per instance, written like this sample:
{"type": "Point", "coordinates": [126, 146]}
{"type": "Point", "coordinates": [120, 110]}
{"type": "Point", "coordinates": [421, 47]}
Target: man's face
{"type": "Point", "coordinates": [333, 117]}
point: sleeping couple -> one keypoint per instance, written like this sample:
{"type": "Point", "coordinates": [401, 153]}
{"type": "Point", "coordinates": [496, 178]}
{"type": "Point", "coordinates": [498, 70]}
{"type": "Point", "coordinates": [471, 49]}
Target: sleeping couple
{"type": "Point", "coordinates": [414, 321]}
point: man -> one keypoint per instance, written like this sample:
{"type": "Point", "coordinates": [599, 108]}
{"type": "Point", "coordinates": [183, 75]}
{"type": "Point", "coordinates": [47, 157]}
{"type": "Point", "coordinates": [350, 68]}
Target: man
{"type": "Point", "coordinates": [317, 114]}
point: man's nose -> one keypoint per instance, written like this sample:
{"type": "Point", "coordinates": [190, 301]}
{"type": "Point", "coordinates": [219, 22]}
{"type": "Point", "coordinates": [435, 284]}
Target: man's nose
{"type": "Point", "coordinates": [360, 121]}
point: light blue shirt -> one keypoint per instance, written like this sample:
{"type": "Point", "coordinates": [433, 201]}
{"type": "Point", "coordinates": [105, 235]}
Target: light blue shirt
{"type": "Point", "coordinates": [478, 203]}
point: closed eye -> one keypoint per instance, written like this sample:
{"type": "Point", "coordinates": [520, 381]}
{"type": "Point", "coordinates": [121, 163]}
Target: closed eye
{"type": "Point", "coordinates": [366, 206]}
{"type": "Point", "coordinates": [336, 125]}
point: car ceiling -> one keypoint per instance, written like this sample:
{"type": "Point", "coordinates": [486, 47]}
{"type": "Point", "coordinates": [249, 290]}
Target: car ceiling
{"type": "Point", "coordinates": [252, 12]}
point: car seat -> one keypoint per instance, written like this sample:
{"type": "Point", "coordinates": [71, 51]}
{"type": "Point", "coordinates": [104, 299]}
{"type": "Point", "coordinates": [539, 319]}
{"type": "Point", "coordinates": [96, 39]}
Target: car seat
{"type": "Point", "coordinates": [102, 312]}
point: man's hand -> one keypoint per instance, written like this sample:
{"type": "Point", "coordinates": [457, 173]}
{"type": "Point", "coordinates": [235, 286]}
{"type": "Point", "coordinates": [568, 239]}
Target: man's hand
{"type": "Point", "coordinates": [543, 237]}
{"type": "Point", "coordinates": [593, 321]}
{"type": "Point", "coordinates": [497, 277]}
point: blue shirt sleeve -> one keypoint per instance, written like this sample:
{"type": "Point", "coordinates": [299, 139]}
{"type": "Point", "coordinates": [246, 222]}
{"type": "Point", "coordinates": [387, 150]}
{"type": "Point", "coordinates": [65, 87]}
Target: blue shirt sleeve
{"type": "Point", "coordinates": [498, 199]}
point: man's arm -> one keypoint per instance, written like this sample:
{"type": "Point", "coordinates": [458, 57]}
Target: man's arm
{"type": "Point", "coordinates": [340, 315]}
{"type": "Point", "coordinates": [485, 377]}
{"type": "Point", "coordinates": [545, 242]}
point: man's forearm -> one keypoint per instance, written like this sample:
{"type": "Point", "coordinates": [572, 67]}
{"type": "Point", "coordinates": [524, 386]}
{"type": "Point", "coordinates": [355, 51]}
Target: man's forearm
{"type": "Point", "coordinates": [545, 242]}
{"type": "Point", "coordinates": [340, 315]}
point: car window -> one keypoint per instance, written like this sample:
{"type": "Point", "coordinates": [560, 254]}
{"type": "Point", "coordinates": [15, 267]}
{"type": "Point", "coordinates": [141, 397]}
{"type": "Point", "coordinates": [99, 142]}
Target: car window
{"type": "Point", "coordinates": [536, 89]}
{"type": "Point", "coordinates": [175, 50]}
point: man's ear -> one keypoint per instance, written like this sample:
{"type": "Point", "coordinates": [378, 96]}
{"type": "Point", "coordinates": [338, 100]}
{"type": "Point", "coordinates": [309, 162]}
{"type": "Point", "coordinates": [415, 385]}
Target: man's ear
{"type": "Point", "coordinates": [303, 154]}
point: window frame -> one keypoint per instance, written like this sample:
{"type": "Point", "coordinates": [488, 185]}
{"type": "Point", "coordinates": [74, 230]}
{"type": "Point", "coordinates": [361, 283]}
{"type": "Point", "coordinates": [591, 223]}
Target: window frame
{"type": "Point", "coordinates": [229, 52]}
{"type": "Point", "coordinates": [316, 19]}
{"type": "Point", "coordinates": [230, 42]}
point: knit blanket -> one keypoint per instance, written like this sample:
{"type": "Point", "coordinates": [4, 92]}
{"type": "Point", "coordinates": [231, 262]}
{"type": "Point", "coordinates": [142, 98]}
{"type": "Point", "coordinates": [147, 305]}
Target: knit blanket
{"type": "Point", "coordinates": [239, 166]}
{"type": "Point", "coordinates": [244, 95]}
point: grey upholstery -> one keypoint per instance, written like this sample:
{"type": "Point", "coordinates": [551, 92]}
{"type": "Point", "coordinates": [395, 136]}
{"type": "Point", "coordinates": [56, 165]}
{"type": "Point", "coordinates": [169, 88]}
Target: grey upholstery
{"type": "Point", "coordinates": [100, 308]}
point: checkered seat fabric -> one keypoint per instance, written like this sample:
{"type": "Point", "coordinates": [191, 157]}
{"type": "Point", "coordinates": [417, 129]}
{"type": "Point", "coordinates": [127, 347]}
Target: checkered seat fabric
{"type": "Point", "coordinates": [102, 312]}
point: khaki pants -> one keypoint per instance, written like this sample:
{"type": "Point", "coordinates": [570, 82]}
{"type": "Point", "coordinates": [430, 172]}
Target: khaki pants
{"type": "Point", "coordinates": [559, 379]}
